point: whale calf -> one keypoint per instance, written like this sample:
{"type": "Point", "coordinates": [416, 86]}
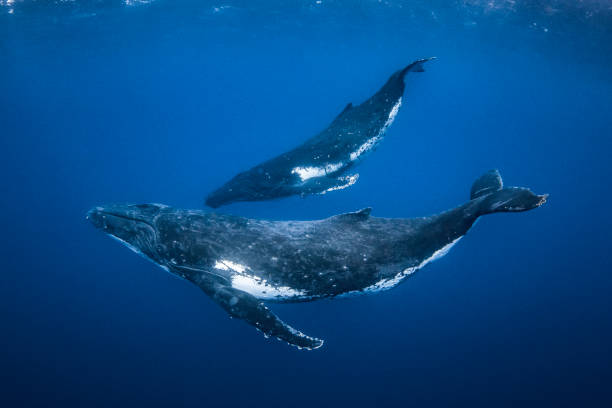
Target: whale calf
{"type": "Point", "coordinates": [242, 263]}
{"type": "Point", "coordinates": [321, 163]}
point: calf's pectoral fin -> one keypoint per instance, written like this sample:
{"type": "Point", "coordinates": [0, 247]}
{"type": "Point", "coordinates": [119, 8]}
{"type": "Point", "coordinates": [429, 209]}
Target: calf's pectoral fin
{"type": "Point", "coordinates": [244, 306]}
{"type": "Point", "coordinates": [326, 184]}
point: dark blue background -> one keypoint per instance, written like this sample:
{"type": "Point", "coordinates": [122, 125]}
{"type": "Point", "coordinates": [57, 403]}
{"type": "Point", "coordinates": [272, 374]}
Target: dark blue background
{"type": "Point", "coordinates": [103, 102]}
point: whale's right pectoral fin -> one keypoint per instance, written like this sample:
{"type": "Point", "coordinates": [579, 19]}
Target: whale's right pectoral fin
{"type": "Point", "coordinates": [244, 306]}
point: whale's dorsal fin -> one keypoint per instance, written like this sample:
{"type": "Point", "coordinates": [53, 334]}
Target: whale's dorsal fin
{"type": "Point", "coordinates": [347, 108]}
{"type": "Point", "coordinates": [360, 215]}
{"type": "Point", "coordinates": [242, 305]}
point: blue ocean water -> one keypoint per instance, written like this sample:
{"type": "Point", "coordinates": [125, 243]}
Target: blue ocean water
{"type": "Point", "coordinates": [163, 101]}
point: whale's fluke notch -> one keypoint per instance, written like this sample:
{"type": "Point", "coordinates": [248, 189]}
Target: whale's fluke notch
{"type": "Point", "coordinates": [242, 305]}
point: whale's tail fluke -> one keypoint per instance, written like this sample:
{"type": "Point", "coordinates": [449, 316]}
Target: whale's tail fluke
{"type": "Point", "coordinates": [492, 197]}
{"type": "Point", "coordinates": [416, 66]}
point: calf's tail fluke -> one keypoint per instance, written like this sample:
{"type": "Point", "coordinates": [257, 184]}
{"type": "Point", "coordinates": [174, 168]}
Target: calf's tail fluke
{"type": "Point", "coordinates": [491, 196]}
{"type": "Point", "coordinates": [416, 66]}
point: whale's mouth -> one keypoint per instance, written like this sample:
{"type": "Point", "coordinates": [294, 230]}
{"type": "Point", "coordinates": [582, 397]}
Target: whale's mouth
{"type": "Point", "coordinates": [132, 225]}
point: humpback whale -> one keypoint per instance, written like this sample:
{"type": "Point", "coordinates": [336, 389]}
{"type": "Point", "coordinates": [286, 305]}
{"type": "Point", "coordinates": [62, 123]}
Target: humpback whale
{"type": "Point", "coordinates": [242, 263]}
{"type": "Point", "coordinates": [321, 163]}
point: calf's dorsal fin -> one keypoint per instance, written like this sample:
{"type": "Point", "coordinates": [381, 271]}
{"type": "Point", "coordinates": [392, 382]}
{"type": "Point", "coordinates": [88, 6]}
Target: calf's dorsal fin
{"type": "Point", "coordinates": [347, 108]}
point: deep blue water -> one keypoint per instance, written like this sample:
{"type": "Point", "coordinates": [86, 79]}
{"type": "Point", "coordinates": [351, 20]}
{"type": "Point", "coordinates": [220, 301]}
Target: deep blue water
{"type": "Point", "coordinates": [163, 101]}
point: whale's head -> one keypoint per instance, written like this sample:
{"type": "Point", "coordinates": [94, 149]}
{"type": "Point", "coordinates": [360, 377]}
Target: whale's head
{"type": "Point", "coordinates": [133, 225]}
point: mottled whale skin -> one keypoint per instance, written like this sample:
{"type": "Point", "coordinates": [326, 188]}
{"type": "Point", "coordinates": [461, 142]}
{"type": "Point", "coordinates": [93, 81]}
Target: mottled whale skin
{"type": "Point", "coordinates": [242, 262]}
{"type": "Point", "coordinates": [321, 163]}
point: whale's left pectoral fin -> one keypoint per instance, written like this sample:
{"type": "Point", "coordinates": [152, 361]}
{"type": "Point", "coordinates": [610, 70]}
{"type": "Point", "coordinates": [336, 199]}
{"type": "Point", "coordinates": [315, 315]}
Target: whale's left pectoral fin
{"type": "Point", "coordinates": [244, 306]}
{"type": "Point", "coordinates": [328, 184]}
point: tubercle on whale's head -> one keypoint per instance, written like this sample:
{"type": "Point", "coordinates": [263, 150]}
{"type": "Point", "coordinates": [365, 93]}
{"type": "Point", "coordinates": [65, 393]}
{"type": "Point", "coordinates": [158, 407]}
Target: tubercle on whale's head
{"type": "Point", "coordinates": [133, 225]}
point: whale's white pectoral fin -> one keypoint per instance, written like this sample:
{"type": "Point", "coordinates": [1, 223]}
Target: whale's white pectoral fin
{"type": "Point", "coordinates": [244, 306]}
{"type": "Point", "coordinates": [341, 182]}
{"type": "Point", "coordinates": [317, 179]}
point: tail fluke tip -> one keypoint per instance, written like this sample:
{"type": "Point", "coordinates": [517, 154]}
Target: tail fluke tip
{"type": "Point", "coordinates": [543, 198]}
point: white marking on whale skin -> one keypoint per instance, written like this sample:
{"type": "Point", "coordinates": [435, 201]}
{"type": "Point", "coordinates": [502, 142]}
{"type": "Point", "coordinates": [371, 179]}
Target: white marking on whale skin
{"type": "Point", "coordinates": [393, 113]}
{"type": "Point", "coordinates": [226, 265]}
{"type": "Point", "coordinates": [498, 204]}
{"type": "Point", "coordinates": [254, 285]}
{"type": "Point", "coordinates": [481, 190]}
{"type": "Point", "coordinates": [261, 289]}
{"type": "Point", "coordinates": [493, 190]}
{"type": "Point", "coordinates": [371, 143]}
{"type": "Point", "coordinates": [127, 244]}
{"type": "Point", "coordinates": [130, 3]}
{"type": "Point", "coordinates": [350, 180]}
{"type": "Point", "coordinates": [388, 283]}
{"type": "Point", "coordinates": [309, 172]}
{"type": "Point", "coordinates": [367, 146]}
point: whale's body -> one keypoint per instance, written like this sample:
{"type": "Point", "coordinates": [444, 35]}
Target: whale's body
{"type": "Point", "coordinates": [241, 262]}
{"type": "Point", "coordinates": [321, 164]}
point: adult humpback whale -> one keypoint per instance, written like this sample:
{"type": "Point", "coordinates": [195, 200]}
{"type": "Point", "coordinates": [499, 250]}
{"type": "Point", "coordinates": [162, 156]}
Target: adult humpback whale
{"type": "Point", "coordinates": [319, 165]}
{"type": "Point", "coordinates": [242, 262]}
